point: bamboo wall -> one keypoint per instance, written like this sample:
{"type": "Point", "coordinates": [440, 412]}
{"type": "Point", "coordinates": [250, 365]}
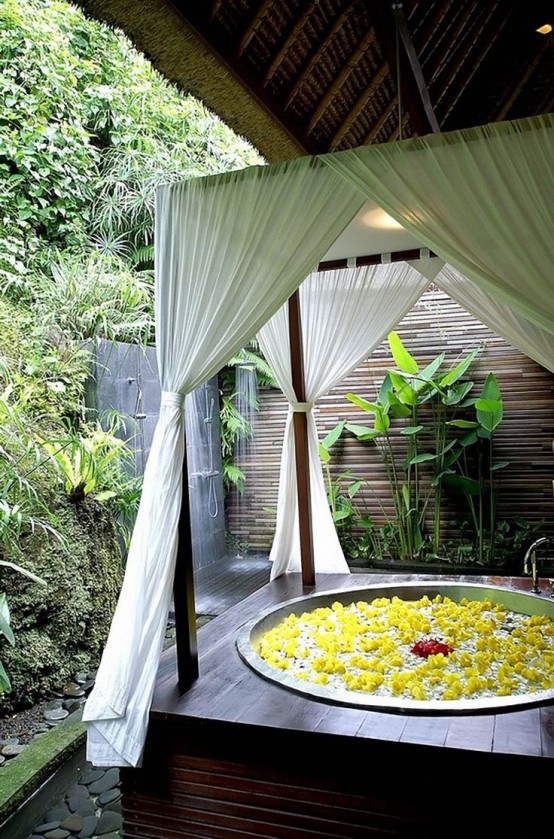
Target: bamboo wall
{"type": "Point", "coordinates": [525, 437]}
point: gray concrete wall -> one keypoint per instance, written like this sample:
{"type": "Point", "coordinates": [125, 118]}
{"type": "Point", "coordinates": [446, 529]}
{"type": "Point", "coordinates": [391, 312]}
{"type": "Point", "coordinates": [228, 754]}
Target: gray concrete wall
{"type": "Point", "coordinates": [124, 378]}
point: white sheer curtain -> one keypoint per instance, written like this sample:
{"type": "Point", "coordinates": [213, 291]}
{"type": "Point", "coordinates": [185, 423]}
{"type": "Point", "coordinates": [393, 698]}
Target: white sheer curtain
{"type": "Point", "coordinates": [229, 251]}
{"type": "Point", "coordinates": [345, 314]}
{"type": "Point", "coordinates": [481, 199]}
{"type": "Point", "coordinates": [535, 342]}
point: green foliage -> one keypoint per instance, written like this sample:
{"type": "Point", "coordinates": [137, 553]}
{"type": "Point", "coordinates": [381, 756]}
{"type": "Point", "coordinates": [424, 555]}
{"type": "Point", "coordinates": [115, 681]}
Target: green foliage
{"type": "Point", "coordinates": [62, 627]}
{"type": "Point", "coordinates": [84, 461]}
{"type": "Point", "coordinates": [340, 495]}
{"type": "Point", "coordinates": [87, 131]}
{"type": "Point", "coordinates": [233, 424]}
{"type": "Point", "coordinates": [96, 296]}
{"type": "Point", "coordinates": [6, 631]}
{"type": "Point", "coordinates": [422, 405]}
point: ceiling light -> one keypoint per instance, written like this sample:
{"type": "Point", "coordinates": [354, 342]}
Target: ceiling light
{"type": "Point", "coordinates": [545, 30]}
{"type": "Point", "coordinates": [378, 218]}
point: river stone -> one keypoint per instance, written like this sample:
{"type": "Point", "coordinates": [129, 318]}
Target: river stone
{"type": "Point", "coordinates": [53, 704]}
{"type": "Point", "coordinates": [89, 827]}
{"type": "Point", "coordinates": [109, 822]}
{"type": "Point", "coordinates": [108, 781]}
{"type": "Point", "coordinates": [85, 807]}
{"type": "Point", "coordinates": [57, 833]}
{"type": "Point", "coordinates": [80, 678]}
{"type": "Point", "coordinates": [12, 751]}
{"type": "Point", "coordinates": [91, 776]}
{"type": "Point", "coordinates": [73, 689]}
{"type": "Point", "coordinates": [72, 705]}
{"type": "Point", "coordinates": [57, 814]}
{"type": "Point", "coordinates": [73, 823]}
{"type": "Point", "coordinates": [114, 806]}
{"type": "Point", "coordinates": [2, 759]}
{"type": "Point", "coordinates": [55, 714]}
{"type": "Point", "coordinates": [109, 796]}
{"type": "Point", "coordinates": [9, 741]}
{"type": "Point", "coordinates": [75, 798]}
{"type": "Point", "coordinates": [44, 828]}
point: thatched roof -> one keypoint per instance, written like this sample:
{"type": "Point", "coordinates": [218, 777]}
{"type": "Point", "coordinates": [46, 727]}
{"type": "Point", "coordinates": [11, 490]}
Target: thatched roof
{"type": "Point", "coordinates": [310, 76]}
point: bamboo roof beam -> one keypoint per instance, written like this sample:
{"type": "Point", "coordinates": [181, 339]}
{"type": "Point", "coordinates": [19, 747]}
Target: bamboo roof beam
{"type": "Point", "coordinates": [289, 41]}
{"type": "Point", "coordinates": [317, 55]}
{"type": "Point", "coordinates": [510, 100]}
{"type": "Point", "coordinates": [254, 24]}
{"type": "Point", "coordinates": [361, 103]}
{"type": "Point", "coordinates": [341, 78]}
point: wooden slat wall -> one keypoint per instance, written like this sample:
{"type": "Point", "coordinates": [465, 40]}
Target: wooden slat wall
{"type": "Point", "coordinates": [436, 324]}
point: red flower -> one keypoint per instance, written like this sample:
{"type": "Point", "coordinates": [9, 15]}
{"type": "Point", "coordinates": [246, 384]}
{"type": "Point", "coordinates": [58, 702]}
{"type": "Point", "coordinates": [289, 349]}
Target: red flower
{"type": "Point", "coordinates": [429, 647]}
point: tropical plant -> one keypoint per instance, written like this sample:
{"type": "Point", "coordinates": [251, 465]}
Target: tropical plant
{"type": "Point", "coordinates": [23, 508]}
{"type": "Point", "coordinates": [403, 395]}
{"type": "Point", "coordinates": [479, 485]}
{"type": "Point", "coordinates": [339, 496]}
{"type": "Point", "coordinates": [234, 425]}
{"type": "Point", "coordinates": [85, 461]}
{"type": "Point", "coordinates": [96, 296]}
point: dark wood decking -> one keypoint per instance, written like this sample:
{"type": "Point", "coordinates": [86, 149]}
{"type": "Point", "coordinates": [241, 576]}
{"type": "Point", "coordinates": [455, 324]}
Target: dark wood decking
{"type": "Point", "coordinates": [225, 583]}
{"type": "Point", "coordinates": [238, 756]}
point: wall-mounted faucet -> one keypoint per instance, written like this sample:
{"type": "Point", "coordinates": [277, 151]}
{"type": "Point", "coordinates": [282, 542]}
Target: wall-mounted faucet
{"type": "Point", "coordinates": [530, 562]}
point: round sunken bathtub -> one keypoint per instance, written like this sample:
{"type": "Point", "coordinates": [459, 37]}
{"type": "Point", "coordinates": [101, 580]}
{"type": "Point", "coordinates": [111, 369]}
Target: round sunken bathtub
{"type": "Point", "coordinates": [248, 642]}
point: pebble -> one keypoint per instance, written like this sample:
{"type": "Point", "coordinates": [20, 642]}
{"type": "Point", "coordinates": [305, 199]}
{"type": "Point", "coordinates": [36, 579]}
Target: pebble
{"type": "Point", "coordinates": [55, 714]}
{"type": "Point", "coordinates": [57, 833]}
{"type": "Point", "coordinates": [89, 827]}
{"type": "Point", "coordinates": [73, 823]}
{"type": "Point", "coordinates": [108, 796]}
{"type": "Point", "coordinates": [109, 780]}
{"type": "Point", "coordinates": [73, 689]}
{"type": "Point", "coordinates": [13, 750]}
{"type": "Point", "coordinates": [109, 822]}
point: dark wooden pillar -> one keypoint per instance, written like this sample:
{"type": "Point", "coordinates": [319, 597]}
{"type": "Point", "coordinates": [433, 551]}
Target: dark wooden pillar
{"type": "Point", "coordinates": [183, 591]}
{"type": "Point", "coordinates": [300, 423]}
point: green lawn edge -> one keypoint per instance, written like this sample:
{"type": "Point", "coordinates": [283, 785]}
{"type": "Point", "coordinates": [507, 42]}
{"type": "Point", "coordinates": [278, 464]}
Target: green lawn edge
{"type": "Point", "coordinates": [23, 774]}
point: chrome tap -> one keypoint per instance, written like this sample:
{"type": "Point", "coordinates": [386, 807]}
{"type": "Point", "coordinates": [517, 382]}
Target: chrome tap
{"type": "Point", "coordinates": [530, 562]}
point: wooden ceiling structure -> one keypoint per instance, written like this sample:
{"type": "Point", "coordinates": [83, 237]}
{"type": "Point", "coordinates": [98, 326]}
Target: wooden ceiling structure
{"type": "Point", "coordinates": [312, 76]}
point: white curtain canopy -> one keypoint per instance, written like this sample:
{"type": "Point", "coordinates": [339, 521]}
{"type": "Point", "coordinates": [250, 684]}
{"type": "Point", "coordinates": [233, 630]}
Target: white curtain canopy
{"type": "Point", "coordinates": [231, 249]}
{"type": "Point", "coordinates": [482, 199]}
{"type": "Point", "coordinates": [229, 252]}
{"type": "Point", "coordinates": [345, 314]}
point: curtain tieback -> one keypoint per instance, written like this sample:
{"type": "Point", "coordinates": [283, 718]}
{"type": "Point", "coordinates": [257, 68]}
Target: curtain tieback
{"type": "Point", "coordinates": [172, 399]}
{"type": "Point", "coordinates": [301, 407]}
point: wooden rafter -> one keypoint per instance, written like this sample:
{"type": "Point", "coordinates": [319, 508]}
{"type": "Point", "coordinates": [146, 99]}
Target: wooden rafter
{"type": "Point", "coordinates": [468, 38]}
{"type": "Point", "coordinates": [341, 78]}
{"type": "Point", "coordinates": [510, 97]}
{"type": "Point", "coordinates": [415, 66]}
{"type": "Point", "coordinates": [385, 116]}
{"type": "Point", "coordinates": [318, 53]}
{"type": "Point", "coordinates": [359, 106]}
{"type": "Point", "coordinates": [474, 60]}
{"type": "Point", "coordinates": [254, 25]}
{"type": "Point", "coordinates": [289, 41]}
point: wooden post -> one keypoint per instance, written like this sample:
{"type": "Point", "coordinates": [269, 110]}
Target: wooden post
{"type": "Point", "coordinates": [300, 425]}
{"type": "Point", "coordinates": [183, 591]}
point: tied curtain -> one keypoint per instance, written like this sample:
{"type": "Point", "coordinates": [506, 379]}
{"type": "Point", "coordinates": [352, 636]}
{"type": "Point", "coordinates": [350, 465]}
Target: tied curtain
{"type": "Point", "coordinates": [345, 314]}
{"type": "Point", "coordinates": [482, 199]}
{"type": "Point", "coordinates": [230, 250]}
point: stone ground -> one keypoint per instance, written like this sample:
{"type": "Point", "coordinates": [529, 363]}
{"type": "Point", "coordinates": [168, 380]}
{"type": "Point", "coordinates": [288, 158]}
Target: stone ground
{"type": "Point", "coordinates": [89, 808]}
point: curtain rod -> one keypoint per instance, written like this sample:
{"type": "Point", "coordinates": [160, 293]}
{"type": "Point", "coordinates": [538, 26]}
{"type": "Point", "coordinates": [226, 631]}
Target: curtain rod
{"type": "Point", "coordinates": [376, 259]}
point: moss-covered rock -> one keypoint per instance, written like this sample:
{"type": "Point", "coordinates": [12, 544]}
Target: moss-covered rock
{"type": "Point", "coordinates": [61, 628]}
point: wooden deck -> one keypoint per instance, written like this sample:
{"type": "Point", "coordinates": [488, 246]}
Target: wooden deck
{"type": "Point", "coordinates": [238, 756]}
{"type": "Point", "coordinates": [225, 583]}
